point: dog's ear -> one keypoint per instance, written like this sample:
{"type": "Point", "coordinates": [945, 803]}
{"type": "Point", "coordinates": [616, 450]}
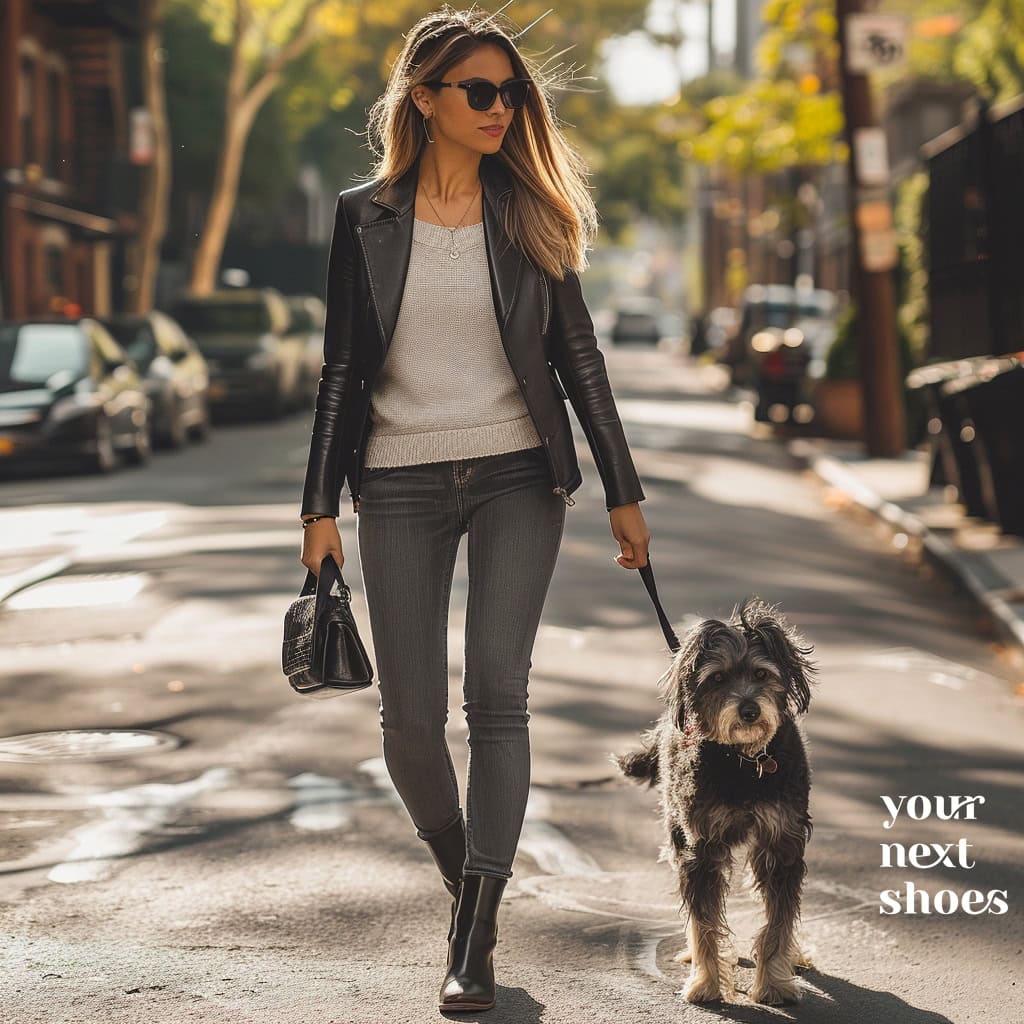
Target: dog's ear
{"type": "Point", "coordinates": [672, 686]}
{"type": "Point", "coordinates": [785, 646]}
{"type": "Point", "coordinates": [677, 681]}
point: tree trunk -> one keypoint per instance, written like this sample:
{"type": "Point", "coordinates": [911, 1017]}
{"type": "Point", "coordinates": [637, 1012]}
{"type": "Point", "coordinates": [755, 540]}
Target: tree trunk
{"type": "Point", "coordinates": [242, 106]}
{"type": "Point", "coordinates": [157, 187]}
{"type": "Point", "coordinates": [222, 201]}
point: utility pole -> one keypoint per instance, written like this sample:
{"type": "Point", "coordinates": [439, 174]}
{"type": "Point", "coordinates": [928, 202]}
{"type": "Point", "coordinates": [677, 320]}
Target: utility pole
{"type": "Point", "coordinates": [874, 43]}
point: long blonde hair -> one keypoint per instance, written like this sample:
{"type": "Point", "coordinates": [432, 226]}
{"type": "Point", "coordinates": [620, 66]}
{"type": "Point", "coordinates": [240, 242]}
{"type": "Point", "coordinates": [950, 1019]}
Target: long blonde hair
{"type": "Point", "coordinates": [551, 216]}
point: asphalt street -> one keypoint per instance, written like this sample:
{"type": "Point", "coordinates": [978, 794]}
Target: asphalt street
{"type": "Point", "coordinates": [241, 856]}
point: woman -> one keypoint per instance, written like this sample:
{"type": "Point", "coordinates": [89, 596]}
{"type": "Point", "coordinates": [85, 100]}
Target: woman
{"type": "Point", "coordinates": [454, 317]}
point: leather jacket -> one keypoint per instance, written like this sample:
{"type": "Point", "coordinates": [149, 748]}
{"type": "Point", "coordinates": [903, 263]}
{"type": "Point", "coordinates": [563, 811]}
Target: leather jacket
{"type": "Point", "coordinates": [545, 327]}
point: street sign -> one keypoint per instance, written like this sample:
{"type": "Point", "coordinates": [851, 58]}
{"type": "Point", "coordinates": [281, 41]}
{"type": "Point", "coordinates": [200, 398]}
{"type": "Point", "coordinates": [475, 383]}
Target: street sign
{"type": "Point", "coordinates": [871, 156]}
{"type": "Point", "coordinates": [877, 237]}
{"type": "Point", "coordinates": [878, 250]}
{"type": "Point", "coordinates": [875, 41]}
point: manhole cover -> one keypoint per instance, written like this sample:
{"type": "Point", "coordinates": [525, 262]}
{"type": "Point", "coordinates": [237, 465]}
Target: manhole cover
{"type": "Point", "coordinates": [84, 744]}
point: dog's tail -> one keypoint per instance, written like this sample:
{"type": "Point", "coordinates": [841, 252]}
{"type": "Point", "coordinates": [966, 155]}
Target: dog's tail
{"type": "Point", "coordinates": [640, 765]}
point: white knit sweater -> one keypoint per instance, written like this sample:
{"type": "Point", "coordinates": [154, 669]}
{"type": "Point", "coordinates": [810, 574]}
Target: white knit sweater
{"type": "Point", "coordinates": [446, 389]}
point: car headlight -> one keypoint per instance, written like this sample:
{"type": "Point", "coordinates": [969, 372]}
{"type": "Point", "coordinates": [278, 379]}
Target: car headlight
{"type": "Point", "coordinates": [17, 417]}
{"type": "Point", "coordinates": [764, 341]}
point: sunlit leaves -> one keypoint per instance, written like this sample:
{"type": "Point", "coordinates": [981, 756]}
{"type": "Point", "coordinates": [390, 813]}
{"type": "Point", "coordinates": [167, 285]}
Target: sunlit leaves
{"type": "Point", "coordinates": [769, 126]}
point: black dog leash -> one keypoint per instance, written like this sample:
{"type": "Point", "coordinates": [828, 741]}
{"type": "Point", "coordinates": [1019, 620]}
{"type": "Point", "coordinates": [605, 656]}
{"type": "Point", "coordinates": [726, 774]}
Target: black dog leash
{"type": "Point", "coordinates": [764, 763]}
{"type": "Point", "coordinates": [647, 574]}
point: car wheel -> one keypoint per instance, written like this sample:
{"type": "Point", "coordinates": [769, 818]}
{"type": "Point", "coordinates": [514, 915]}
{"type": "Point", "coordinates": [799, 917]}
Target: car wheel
{"type": "Point", "coordinates": [177, 434]}
{"type": "Point", "coordinates": [201, 430]}
{"type": "Point", "coordinates": [140, 451]}
{"type": "Point", "coordinates": [104, 458]}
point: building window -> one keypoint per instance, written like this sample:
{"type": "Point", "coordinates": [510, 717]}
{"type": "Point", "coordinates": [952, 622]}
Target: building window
{"type": "Point", "coordinates": [53, 124]}
{"type": "Point", "coordinates": [55, 269]}
{"type": "Point", "coordinates": [26, 104]}
{"type": "Point", "coordinates": [30, 298]}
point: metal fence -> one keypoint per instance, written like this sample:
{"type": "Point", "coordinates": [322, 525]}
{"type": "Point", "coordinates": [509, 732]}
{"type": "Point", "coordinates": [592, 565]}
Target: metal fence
{"type": "Point", "coordinates": [975, 213]}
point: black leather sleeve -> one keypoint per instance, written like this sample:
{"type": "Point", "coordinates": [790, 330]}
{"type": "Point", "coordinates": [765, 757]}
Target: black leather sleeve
{"type": "Point", "coordinates": [581, 366]}
{"type": "Point", "coordinates": [322, 490]}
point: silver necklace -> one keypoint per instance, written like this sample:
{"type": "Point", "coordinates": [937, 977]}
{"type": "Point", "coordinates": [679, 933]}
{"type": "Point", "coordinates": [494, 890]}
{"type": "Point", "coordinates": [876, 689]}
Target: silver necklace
{"type": "Point", "coordinates": [453, 252]}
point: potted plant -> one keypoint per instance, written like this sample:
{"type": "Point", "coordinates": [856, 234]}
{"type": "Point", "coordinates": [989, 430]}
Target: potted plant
{"type": "Point", "coordinates": [838, 397]}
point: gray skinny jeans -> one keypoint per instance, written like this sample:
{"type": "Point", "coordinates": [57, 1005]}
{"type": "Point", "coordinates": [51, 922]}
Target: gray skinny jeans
{"type": "Point", "coordinates": [410, 521]}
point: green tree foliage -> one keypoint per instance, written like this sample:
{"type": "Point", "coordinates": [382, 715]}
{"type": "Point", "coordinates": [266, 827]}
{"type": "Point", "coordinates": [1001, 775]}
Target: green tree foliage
{"type": "Point", "coordinates": [791, 112]}
{"type": "Point", "coordinates": [317, 114]}
{"type": "Point", "coordinates": [978, 41]}
{"type": "Point", "coordinates": [771, 125]}
{"type": "Point", "coordinates": [990, 50]}
{"type": "Point", "coordinates": [913, 270]}
{"type": "Point", "coordinates": [196, 77]}
{"type": "Point", "coordinates": [787, 116]}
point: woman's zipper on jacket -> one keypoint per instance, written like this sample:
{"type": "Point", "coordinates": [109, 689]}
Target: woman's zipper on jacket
{"type": "Point", "coordinates": [357, 469]}
{"type": "Point", "coordinates": [545, 294]}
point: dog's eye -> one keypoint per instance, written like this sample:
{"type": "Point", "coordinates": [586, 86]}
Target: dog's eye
{"type": "Point", "coordinates": [718, 677]}
{"type": "Point", "coordinates": [761, 673]}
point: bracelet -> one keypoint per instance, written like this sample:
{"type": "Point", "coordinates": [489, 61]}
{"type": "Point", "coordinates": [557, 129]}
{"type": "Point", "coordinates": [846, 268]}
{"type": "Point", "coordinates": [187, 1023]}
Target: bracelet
{"type": "Point", "coordinates": [313, 519]}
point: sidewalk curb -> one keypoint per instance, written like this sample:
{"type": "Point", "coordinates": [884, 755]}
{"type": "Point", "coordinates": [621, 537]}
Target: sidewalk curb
{"type": "Point", "coordinates": [33, 574]}
{"type": "Point", "coordinates": [832, 472]}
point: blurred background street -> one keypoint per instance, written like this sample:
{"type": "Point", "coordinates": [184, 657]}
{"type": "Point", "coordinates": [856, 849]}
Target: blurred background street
{"type": "Point", "coordinates": [807, 291]}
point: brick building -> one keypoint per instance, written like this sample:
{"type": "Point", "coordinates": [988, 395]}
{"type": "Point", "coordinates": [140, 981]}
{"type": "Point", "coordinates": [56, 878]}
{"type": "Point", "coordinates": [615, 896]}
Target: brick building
{"type": "Point", "coordinates": [67, 186]}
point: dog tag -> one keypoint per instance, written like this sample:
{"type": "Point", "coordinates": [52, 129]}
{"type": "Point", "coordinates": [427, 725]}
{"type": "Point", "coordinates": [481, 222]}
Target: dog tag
{"type": "Point", "coordinates": [767, 766]}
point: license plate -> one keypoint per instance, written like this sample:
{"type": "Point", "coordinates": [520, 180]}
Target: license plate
{"type": "Point", "coordinates": [217, 391]}
{"type": "Point", "coordinates": [6, 445]}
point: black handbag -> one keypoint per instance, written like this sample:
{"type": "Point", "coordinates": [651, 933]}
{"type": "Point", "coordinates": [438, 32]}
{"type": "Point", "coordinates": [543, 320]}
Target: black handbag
{"type": "Point", "coordinates": [322, 654]}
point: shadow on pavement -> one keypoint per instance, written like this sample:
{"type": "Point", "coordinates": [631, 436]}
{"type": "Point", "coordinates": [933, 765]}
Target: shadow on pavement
{"type": "Point", "coordinates": [512, 1005]}
{"type": "Point", "coordinates": [831, 1000]}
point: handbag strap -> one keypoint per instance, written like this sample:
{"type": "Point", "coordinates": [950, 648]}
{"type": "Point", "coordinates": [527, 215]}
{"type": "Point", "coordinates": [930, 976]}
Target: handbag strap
{"type": "Point", "coordinates": [328, 569]}
{"type": "Point", "coordinates": [647, 575]}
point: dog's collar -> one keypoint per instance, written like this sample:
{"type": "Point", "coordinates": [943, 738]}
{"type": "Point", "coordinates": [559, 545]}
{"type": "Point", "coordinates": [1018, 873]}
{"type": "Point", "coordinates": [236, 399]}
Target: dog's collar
{"type": "Point", "coordinates": [764, 762]}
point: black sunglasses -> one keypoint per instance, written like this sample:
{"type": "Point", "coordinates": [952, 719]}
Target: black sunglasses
{"type": "Point", "coordinates": [481, 93]}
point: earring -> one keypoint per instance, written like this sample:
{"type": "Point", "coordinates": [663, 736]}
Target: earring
{"type": "Point", "coordinates": [425, 132]}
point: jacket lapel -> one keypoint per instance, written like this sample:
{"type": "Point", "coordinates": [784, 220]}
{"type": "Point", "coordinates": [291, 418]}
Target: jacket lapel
{"type": "Point", "coordinates": [387, 244]}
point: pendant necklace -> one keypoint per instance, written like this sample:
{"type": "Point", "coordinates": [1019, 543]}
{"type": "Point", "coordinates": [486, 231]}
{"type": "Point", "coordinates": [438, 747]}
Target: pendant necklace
{"type": "Point", "coordinates": [453, 252]}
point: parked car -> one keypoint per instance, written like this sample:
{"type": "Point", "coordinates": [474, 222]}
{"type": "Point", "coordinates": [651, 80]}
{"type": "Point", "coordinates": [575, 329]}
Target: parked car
{"type": "Point", "coordinates": [69, 392]}
{"type": "Point", "coordinates": [773, 307]}
{"type": "Point", "coordinates": [637, 318]}
{"type": "Point", "coordinates": [174, 375]}
{"type": "Point", "coordinates": [309, 315]}
{"type": "Point", "coordinates": [255, 364]}
{"type": "Point", "coordinates": [783, 361]}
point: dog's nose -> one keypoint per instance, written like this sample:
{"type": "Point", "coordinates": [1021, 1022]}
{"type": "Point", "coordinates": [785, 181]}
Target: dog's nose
{"type": "Point", "coordinates": [750, 711]}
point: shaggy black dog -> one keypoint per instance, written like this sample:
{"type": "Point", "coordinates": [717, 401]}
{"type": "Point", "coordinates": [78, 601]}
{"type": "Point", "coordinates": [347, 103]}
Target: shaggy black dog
{"type": "Point", "coordinates": [731, 768]}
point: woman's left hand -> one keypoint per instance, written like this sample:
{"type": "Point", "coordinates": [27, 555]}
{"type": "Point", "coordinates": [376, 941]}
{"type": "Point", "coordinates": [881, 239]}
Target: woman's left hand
{"type": "Point", "coordinates": [630, 529]}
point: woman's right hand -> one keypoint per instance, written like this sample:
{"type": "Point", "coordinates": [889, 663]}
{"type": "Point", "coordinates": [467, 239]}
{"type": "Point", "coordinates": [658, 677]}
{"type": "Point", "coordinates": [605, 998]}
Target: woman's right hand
{"type": "Point", "coordinates": [320, 540]}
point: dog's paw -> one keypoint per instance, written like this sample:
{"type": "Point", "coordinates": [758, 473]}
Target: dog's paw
{"type": "Point", "coordinates": [702, 988]}
{"type": "Point", "coordinates": [803, 960]}
{"type": "Point", "coordinates": [684, 956]}
{"type": "Point", "coordinates": [777, 994]}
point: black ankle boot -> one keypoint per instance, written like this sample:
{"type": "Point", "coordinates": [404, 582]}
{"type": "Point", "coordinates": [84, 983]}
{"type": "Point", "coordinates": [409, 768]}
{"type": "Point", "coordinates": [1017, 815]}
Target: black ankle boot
{"type": "Point", "coordinates": [448, 848]}
{"type": "Point", "coordinates": [469, 983]}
